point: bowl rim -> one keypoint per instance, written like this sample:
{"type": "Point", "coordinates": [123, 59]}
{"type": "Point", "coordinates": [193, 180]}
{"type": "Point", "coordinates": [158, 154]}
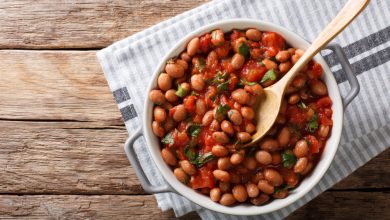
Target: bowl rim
{"type": "Point", "coordinates": [310, 181]}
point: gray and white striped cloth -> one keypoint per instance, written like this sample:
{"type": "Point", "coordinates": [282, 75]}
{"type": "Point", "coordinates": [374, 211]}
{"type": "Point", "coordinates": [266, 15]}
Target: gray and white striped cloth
{"type": "Point", "coordinates": [129, 63]}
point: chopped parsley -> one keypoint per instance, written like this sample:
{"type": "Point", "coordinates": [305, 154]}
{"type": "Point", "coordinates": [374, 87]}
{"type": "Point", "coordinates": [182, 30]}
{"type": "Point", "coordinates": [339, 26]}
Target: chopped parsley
{"type": "Point", "coordinates": [312, 125]}
{"type": "Point", "coordinates": [269, 75]}
{"type": "Point", "coordinates": [243, 49]}
{"type": "Point", "coordinates": [200, 64]}
{"type": "Point", "coordinates": [244, 82]}
{"type": "Point", "coordinates": [288, 159]}
{"type": "Point", "coordinates": [181, 92]}
{"type": "Point", "coordinates": [168, 139]}
{"type": "Point", "coordinates": [301, 105]}
{"type": "Point", "coordinates": [223, 86]}
{"type": "Point", "coordinates": [222, 109]}
{"type": "Point", "coordinates": [197, 159]}
{"type": "Point", "coordinates": [194, 130]}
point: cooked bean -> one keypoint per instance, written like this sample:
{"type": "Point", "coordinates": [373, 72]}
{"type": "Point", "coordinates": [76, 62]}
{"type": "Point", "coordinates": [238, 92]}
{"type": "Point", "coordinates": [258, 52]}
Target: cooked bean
{"type": "Point", "coordinates": [215, 194]}
{"type": "Point", "coordinates": [252, 100]}
{"type": "Point", "coordinates": [257, 177]}
{"type": "Point", "coordinates": [168, 157]}
{"type": "Point", "coordinates": [276, 158]}
{"type": "Point", "coordinates": [283, 56]}
{"type": "Point", "coordinates": [181, 175]}
{"type": "Point", "coordinates": [193, 46]}
{"type": "Point", "coordinates": [227, 199]}
{"type": "Point", "coordinates": [208, 118]}
{"type": "Point", "coordinates": [237, 61]}
{"type": "Point", "coordinates": [160, 114]}
{"type": "Point", "coordinates": [174, 70]}
{"type": "Point", "coordinates": [319, 88]}
{"type": "Point", "coordinates": [240, 96]}
{"type": "Point", "coordinates": [301, 148]}
{"type": "Point", "coordinates": [244, 137]}
{"type": "Point", "coordinates": [158, 130]}
{"type": "Point", "coordinates": [225, 187]}
{"type": "Point", "coordinates": [221, 137]}
{"type": "Point", "coordinates": [235, 116]}
{"type": "Point", "coordinates": [224, 163]}
{"type": "Point", "coordinates": [252, 190]}
{"type": "Point", "coordinates": [308, 168]}
{"type": "Point", "coordinates": [167, 106]}
{"type": "Point", "coordinates": [237, 106]}
{"type": "Point", "coordinates": [227, 127]}
{"type": "Point", "coordinates": [260, 200]}
{"type": "Point", "coordinates": [200, 107]}
{"type": "Point", "coordinates": [164, 81]}
{"type": "Point", "coordinates": [237, 158]}
{"type": "Point", "coordinates": [253, 34]}
{"type": "Point", "coordinates": [182, 63]}
{"type": "Point", "coordinates": [219, 151]}
{"type": "Point", "coordinates": [263, 157]}
{"type": "Point", "coordinates": [212, 59]}
{"type": "Point", "coordinates": [169, 124]}
{"type": "Point", "coordinates": [269, 144]}
{"type": "Point", "coordinates": [250, 163]}
{"type": "Point", "coordinates": [239, 193]}
{"type": "Point", "coordinates": [214, 126]}
{"type": "Point", "coordinates": [184, 56]}
{"type": "Point", "coordinates": [285, 67]}
{"type": "Point", "coordinates": [265, 187]}
{"type": "Point", "coordinates": [269, 64]}
{"type": "Point", "coordinates": [180, 114]}
{"type": "Point", "coordinates": [247, 113]}
{"type": "Point", "coordinates": [205, 191]}
{"type": "Point", "coordinates": [301, 165]}
{"type": "Point", "coordinates": [281, 194]}
{"type": "Point", "coordinates": [221, 175]}
{"type": "Point", "coordinates": [294, 99]}
{"type": "Point", "coordinates": [171, 96]}
{"type": "Point", "coordinates": [250, 128]}
{"type": "Point", "coordinates": [188, 167]}
{"type": "Point", "coordinates": [323, 131]}
{"type": "Point", "coordinates": [284, 137]}
{"type": "Point", "coordinates": [273, 177]}
{"type": "Point", "coordinates": [197, 82]}
{"type": "Point", "coordinates": [256, 90]}
{"type": "Point", "coordinates": [157, 97]}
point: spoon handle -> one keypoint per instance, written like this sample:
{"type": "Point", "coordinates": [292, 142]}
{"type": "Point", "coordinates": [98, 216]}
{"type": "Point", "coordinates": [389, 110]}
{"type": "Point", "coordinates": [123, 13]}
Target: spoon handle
{"type": "Point", "coordinates": [343, 18]}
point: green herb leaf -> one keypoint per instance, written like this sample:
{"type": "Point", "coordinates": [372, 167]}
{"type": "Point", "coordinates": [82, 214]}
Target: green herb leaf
{"type": "Point", "coordinates": [204, 158]}
{"type": "Point", "coordinates": [243, 49]}
{"type": "Point", "coordinates": [244, 82]}
{"type": "Point", "coordinates": [312, 125]}
{"type": "Point", "coordinates": [200, 64]}
{"type": "Point", "coordinates": [194, 93]}
{"type": "Point", "coordinates": [261, 63]}
{"type": "Point", "coordinates": [194, 130]}
{"type": "Point", "coordinates": [220, 77]}
{"type": "Point", "coordinates": [288, 159]}
{"type": "Point", "coordinates": [301, 105]}
{"type": "Point", "coordinates": [221, 112]}
{"type": "Point", "coordinates": [190, 154]}
{"type": "Point", "coordinates": [223, 86]}
{"type": "Point", "coordinates": [295, 130]}
{"type": "Point", "coordinates": [168, 139]}
{"type": "Point", "coordinates": [269, 75]}
{"type": "Point", "coordinates": [181, 92]}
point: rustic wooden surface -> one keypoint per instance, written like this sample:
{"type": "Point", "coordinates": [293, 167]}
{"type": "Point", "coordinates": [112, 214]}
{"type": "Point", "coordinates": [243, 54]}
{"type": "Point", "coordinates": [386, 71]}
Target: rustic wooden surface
{"type": "Point", "coordinates": [61, 134]}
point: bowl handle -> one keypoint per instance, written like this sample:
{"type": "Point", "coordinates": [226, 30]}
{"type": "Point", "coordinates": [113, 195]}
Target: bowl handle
{"type": "Point", "coordinates": [131, 155]}
{"type": "Point", "coordinates": [351, 77]}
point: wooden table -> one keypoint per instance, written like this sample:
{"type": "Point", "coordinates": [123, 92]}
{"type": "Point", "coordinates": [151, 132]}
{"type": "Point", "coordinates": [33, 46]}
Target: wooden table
{"type": "Point", "coordinates": [61, 133]}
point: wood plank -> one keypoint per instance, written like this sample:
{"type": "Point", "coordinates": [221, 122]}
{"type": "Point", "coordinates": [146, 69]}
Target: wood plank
{"type": "Point", "coordinates": [55, 85]}
{"type": "Point", "coordinates": [88, 158]}
{"type": "Point", "coordinates": [80, 24]}
{"type": "Point", "coordinates": [329, 205]}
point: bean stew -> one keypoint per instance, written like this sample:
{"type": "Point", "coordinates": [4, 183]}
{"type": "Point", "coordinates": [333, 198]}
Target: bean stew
{"type": "Point", "coordinates": [204, 110]}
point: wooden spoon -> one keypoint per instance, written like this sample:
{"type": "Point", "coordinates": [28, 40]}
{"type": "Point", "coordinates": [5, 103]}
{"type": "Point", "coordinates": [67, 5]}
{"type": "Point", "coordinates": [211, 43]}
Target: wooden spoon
{"type": "Point", "coordinates": [270, 105]}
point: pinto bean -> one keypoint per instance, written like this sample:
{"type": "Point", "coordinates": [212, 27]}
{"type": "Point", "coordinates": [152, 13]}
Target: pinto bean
{"type": "Point", "coordinates": [197, 82]}
{"type": "Point", "coordinates": [256, 90]}
{"type": "Point", "coordinates": [164, 81]}
{"type": "Point", "coordinates": [244, 137]}
{"type": "Point", "coordinates": [269, 64]}
{"type": "Point", "coordinates": [157, 97]}
{"type": "Point", "coordinates": [323, 131]}
{"type": "Point", "coordinates": [240, 193]}
{"type": "Point", "coordinates": [240, 96]}
{"type": "Point", "coordinates": [220, 137]}
{"type": "Point", "coordinates": [168, 157]}
{"type": "Point", "coordinates": [180, 114]}
{"type": "Point", "coordinates": [200, 107]}
{"type": "Point", "coordinates": [227, 199]}
{"type": "Point", "coordinates": [215, 194]}
{"type": "Point", "coordinates": [250, 163]}
{"type": "Point", "coordinates": [283, 56]}
{"type": "Point", "coordinates": [294, 99]}
{"type": "Point", "coordinates": [225, 187]}
{"type": "Point", "coordinates": [237, 61]}
{"type": "Point", "coordinates": [301, 148]}
{"type": "Point", "coordinates": [301, 165]}
{"type": "Point", "coordinates": [237, 158]}
{"type": "Point", "coordinates": [159, 114]}
{"type": "Point", "coordinates": [252, 190]}
{"type": "Point", "coordinates": [171, 96]}
{"type": "Point", "coordinates": [273, 177]}
{"type": "Point", "coordinates": [193, 46]}
{"type": "Point", "coordinates": [247, 113]}
{"type": "Point", "coordinates": [184, 56]}
{"type": "Point", "coordinates": [224, 163]}
{"type": "Point", "coordinates": [250, 128]}
{"type": "Point", "coordinates": [253, 34]}
{"type": "Point", "coordinates": [285, 67]}
{"type": "Point", "coordinates": [284, 137]}
{"type": "Point", "coordinates": [174, 70]}
{"type": "Point", "coordinates": [208, 118]}
{"type": "Point", "coordinates": [219, 151]}
{"type": "Point", "coordinates": [214, 126]}
{"type": "Point", "coordinates": [188, 167]}
{"type": "Point", "coordinates": [319, 88]}
{"type": "Point", "coordinates": [235, 116]}
{"type": "Point", "coordinates": [269, 144]}
{"type": "Point", "coordinates": [221, 175]}
{"type": "Point", "coordinates": [281, 194]}
{"type": "Point", "coordinates": [227, 127]}
{"type": "Point", "coordinates": [158, 130]}
{"type": "Point", "coordinates": [265, 187]}
{"type": "Point", "coordinates": [263, 157]}
{"type": "Point", "coordinates": [181, 175]}
{"type": "Point", "coordinates": [260, 200]}
{"type": "Point", "coordinates": [182, 63]}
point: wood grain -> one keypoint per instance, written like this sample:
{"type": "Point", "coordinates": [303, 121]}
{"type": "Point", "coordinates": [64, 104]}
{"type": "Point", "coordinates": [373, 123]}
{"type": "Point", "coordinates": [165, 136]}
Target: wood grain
{"type": "Point", "coordinates": [329, 205]}
{"type": "Point", "coordinates": [80, 24]}
{"type": "Point", "coordinates": [88, 158]}
{"type": "Point", "coordinates": [55, 85]}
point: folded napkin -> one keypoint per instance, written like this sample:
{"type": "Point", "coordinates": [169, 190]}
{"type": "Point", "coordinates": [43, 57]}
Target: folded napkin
{"type": "Point", "coordinates": [129, 64]}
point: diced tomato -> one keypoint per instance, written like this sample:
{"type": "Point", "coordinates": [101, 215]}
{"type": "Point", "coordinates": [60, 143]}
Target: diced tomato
{"type": "Point", "coordinates": [203, 178]}
{"type": "Point", "coordinates": [296, 115]}
{"type": "Point", "coordinates": [324, 119]}
{"type": "Point", "coordinates": [223, 51]}
{"type": "Point", "coordinates": [226, 101]}
{"type": "Point", "coordinates": [324, 102]}
{"type": "Point", "coordinates": [227, 66]}
{"type": "Point", "coordinates": [254, 45]}
{"type": "Point", "coordinates": [189, 103]}
{"type": "Point", "coordinates": [316, 71]}
{"type": "Point", "coordinates": [210, 95]}
{"type": "Point", "coordinates": [172, 111]}
{"type": "Point", "coordinates": [313, 144]}
{"type": "Point", "coordinates": [235, 35]}
{"type": "Point", "coordinates": [197, 119]}
{"type": "Point", "coordinates": [205, 42]}
{"type": "Point", "coordinates": [253, 71]}
{"type": "Point", "coordinates": [233, 82]}
{"type": "Point", "coordinates": [289, 176]}
{"type": "Point", "coordinates": [273, 42]}
{"type": "Point", "coordinates": [328, 112]}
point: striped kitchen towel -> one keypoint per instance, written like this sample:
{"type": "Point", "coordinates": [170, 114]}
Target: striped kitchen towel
{"type": "Point", "coordinates": [129, 63]}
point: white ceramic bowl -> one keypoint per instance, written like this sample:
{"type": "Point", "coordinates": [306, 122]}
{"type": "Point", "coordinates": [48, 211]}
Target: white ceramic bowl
{"type": "Point", "coordinates": [245, 209]}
